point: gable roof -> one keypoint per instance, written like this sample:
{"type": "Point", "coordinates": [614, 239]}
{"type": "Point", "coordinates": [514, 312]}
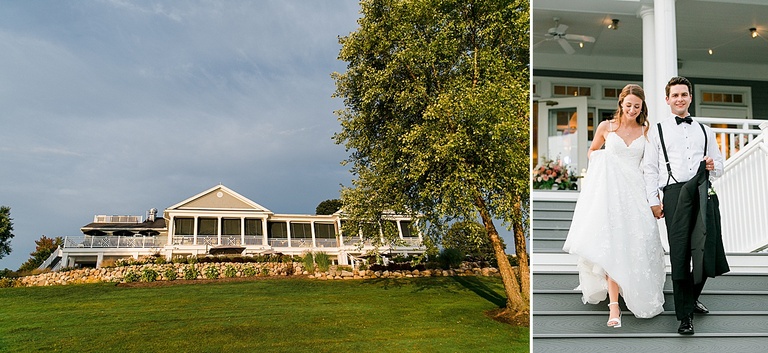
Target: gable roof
{"type": "Point", "coordinates": [219, 197]}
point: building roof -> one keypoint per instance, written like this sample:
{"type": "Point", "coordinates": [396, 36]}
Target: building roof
{"type": "Point", "coordinates": [219, 197]}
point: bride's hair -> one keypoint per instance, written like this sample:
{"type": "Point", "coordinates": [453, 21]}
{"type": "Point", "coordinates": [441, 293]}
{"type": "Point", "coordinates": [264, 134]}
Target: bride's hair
{"type": "Point", "coordinates": [635, 90]}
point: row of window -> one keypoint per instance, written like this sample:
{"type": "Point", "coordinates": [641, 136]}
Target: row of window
{"type": "Point", "coordinates": [712, 97]}
{"type": "Point", "coordinates": [253, 226]}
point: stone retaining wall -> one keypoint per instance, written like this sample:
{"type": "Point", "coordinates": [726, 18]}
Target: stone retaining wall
{"type": "Point", "coordinates": [273, 269]}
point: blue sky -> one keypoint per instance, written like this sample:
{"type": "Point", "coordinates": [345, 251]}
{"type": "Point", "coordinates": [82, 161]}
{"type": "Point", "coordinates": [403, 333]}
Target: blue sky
{"type": "Point", "coordinates": [115, 107]}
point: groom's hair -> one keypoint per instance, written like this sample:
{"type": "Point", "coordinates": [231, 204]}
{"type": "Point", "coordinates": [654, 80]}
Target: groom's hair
{"type": "Point", "coordinates": [678, 80]}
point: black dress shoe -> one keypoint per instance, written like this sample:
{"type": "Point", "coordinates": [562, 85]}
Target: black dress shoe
{"type": "Point", "coordinates": [698, 307]}
{"type": "Point", "coordinates": [686, 326]}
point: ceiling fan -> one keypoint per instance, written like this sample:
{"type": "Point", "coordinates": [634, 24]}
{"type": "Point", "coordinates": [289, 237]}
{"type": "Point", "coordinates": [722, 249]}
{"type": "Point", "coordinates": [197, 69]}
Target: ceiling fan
{"type": "Point", "coordinates": [558, 34]}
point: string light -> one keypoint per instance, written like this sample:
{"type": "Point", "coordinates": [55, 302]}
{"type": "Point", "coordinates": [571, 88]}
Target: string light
{"type": "Point", "coordinates": [753, 32]}
{"type": "Point", "coordinates": [711, 52]}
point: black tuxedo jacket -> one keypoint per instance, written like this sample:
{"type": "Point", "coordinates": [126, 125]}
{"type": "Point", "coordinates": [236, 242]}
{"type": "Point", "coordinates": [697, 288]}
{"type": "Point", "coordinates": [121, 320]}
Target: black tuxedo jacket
{"type": "Point", "coordinates": [697, 217]}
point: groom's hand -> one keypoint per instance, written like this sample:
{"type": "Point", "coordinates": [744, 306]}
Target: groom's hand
{"type": "Point", "coordinates": [710, 163]}
{"type": "Point", "coordinates": [658, 212]}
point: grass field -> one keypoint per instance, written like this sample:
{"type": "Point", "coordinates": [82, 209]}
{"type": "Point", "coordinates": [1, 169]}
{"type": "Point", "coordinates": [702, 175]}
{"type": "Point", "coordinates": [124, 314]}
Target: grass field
{"type": "Point", "coordinates": [439, 314]}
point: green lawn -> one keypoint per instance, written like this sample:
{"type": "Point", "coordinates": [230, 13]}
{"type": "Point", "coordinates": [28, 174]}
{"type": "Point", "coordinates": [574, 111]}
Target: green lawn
{"type": "Point", "coordinates": [438, 314]}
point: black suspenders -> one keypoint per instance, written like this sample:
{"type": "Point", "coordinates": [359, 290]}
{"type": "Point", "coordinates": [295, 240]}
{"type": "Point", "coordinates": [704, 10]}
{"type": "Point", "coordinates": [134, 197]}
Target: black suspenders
{"type": "Point", "coordinates": [666, 157]}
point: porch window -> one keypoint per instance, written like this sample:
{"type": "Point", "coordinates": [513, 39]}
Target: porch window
{"type": "Point", "coordinates": [230, 226]}
{"type": "Point", "coordinates": [325, 230]}
{"type": "Point", "coordinates": [253, 226]}
{"type": "Point", "coordinates": [207, 226]}
{"type": "Point", "coordinates": [405, 226]}
{"type": "Point", "coordinates": [183, 226]}
{"type": "Point", "coordinates": [277, 230]}
{"type": "Point", "coordinates": [301, 230]}
{"type": "Point", "coordinates": [573, 91]}
{"type": "Point", "coordinates": [724, 98]}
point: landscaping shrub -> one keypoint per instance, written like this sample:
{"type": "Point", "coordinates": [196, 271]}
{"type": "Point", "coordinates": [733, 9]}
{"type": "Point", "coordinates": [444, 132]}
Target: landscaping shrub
{"type": "Point", "coordinates": [160, 260]}
{"type": "Point", "coordinates": [191, 259]}
{"type": "Point", "coordinates": [230, 271]}
{"type": "Point", "coordinates": [170, 274]}
{"type": "Point", "coordinates": [6, 282]}
{"type": "Point", "coordinates": [131, 276]}
{"type": "Point", "coordinates": [190, 272]}
{"type": "Point", "coordinates": [309, 262]}
{"type": "Point", "coordinates": [249, 272]}
{"type": "Point", "coordinates": [148, 275]}
{"type": "Point", "coordinates": [451, 258]}
{"type": "Point", "coordinates": [286, 258]}
{"type": "Point", "coordinates": [323, 261]}
{"type": "Point", "coordinates": [212, 272]}
{"type": "Point", "coordinates": [264, 271]}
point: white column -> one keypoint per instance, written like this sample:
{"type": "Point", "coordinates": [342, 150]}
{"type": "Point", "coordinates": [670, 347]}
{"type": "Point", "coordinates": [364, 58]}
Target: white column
{"type": "Point", "coordinates": [666, 49]}
{"type": "Point", "coordinates": [288, 232]}
{"type": "Point", "coordinates": [99, 259]}
{"type": "Point", "coordinates": [171, 229]}
{"type": "Point", "coordinates": [650, 86]}
{"type": "Point", "coordinates": [264, 235]}
{"type": "Point", "coordinates": [194, 231]}
{"type": "Point", "coordinates": [218, 231]}
{"type": "Point", "coordinates": [312, 230]}
{"type": "Point", "coordinates": [242, 231]}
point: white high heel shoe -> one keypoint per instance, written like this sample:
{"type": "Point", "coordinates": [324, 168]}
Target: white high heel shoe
{"type": "Point", "coordinates": [615, 321]}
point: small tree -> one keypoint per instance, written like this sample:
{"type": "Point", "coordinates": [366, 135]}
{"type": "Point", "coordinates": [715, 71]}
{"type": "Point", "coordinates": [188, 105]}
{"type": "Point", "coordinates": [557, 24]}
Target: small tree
{"type": "Point", "coordinates": [6, 229]}
{"type": "Point", "coordinates": [328, 207]}
{"type": "Point", "coordinates": [43, 249]}
{"type": "Point", "coordinates": [470, 238]}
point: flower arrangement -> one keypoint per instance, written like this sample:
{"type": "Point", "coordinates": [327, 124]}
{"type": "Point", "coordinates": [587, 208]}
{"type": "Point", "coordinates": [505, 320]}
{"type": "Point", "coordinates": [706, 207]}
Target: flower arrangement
{"type": "Point", "coordinates": [550, 173]}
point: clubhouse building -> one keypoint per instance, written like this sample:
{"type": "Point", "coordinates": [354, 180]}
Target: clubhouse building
{"type": "Point", "coordinates": [221, 221]}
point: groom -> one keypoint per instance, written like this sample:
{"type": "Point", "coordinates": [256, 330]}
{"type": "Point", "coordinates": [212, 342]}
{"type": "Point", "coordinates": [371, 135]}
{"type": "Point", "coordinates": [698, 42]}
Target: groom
{"type": "Point", "coordinates": [684, 141]}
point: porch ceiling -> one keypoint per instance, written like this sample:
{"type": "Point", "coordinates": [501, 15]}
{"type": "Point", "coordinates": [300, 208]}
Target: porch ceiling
{"type": "Point", "coordinates": [701, 25]}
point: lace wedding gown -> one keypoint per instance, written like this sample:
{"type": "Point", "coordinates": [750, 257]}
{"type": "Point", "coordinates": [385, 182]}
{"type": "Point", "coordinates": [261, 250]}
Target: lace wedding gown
{"type": "Point", "coordinates": [614, 232]}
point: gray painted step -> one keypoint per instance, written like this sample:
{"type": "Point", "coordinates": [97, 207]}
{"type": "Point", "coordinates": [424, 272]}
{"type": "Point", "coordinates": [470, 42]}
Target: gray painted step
{"type": "Point", "coordinates": [730, 322]}
{"type": "Point", "coordinates": [661, 343]}
{"type": "Point", "coordinates": [570, 300]}
{"type": "Point", "coordinates": [740, 282]}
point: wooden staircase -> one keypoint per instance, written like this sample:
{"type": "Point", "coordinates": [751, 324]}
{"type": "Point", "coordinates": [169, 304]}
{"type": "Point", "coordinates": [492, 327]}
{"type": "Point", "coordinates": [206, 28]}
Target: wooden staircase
{"type": "Point", "coordinates": [738, 301]}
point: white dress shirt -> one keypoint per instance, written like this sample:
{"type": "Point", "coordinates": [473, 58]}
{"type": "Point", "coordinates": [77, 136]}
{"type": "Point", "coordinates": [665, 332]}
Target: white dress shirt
{"type": "Point", "coordinates": [685, 148]}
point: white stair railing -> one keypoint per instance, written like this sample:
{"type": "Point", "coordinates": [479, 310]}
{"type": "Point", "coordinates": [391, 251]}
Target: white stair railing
{"type": "Point", "coordinates": [743, 190]}
{"type": "Point", "coordinates": [55, 254]}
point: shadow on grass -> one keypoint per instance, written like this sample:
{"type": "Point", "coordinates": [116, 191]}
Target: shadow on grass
{"type": "Point", "coordinates": [446, 284]}
{"type": "Point", "coordinates": [481, 289]}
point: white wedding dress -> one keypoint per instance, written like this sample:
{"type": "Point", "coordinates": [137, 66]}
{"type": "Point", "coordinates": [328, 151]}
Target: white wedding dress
{"type": "Point", "coordinates": [614, 232]}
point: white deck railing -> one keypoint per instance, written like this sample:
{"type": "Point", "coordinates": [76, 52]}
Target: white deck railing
{"type": "Point", "coordinates": [111, 241]}
{"type": "Point", "coordinates": [743, 194]}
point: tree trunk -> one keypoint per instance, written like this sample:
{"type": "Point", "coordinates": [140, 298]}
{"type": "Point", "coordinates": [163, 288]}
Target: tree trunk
{"type": "Point", "coordinates": [516, 302]}
{"type": "Point", "coordinates": [521, 249]}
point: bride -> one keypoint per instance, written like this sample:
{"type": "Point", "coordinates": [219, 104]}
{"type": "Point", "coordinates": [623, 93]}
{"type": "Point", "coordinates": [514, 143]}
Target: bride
{"type": "Point", "coordinates": [613, 231]}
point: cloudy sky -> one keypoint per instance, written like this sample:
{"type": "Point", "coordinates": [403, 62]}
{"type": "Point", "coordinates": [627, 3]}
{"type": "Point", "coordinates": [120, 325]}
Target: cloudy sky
{"type": "Point", "coordinates": [115, 107]}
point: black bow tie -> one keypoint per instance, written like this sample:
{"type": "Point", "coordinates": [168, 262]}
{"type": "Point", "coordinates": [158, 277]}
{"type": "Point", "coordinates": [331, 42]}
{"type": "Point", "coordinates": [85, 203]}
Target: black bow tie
{"type": "Point", "coordinates": [686, 120]}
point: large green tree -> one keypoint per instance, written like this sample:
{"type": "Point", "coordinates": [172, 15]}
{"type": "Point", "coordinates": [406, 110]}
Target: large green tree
{"type": "Point", "coordinates": [44, 247]}
{"type": "Point", "coordinates": [6, 231]}
{"type": "Point", "coordinates": [436, 96]}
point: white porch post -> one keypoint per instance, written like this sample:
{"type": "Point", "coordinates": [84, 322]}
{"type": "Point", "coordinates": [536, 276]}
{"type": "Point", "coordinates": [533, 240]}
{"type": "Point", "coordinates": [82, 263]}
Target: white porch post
{"type": "Point", "coordinates": [312, 230]}
{"type": "Point", "coordinates": [666, 51]}
{"type": "Point", "coordinates": [650, 86]}
{"type": "Point", "coordinates": [341, 234]}
{"type": "Point", "coordinates": [171, 229]}
{"type": "Point", "coordinates": [99, 259]}
{"type": "Point", "coordinates": [264, 235]}
{"type": "Point", "coordinates": [242, 231]}
{"type": "Point", "coordinates": [218, 231]}
{"type": "Point", "coordinates": [194, 228]}
{"type": "Point", "coordinates": [288, 232]}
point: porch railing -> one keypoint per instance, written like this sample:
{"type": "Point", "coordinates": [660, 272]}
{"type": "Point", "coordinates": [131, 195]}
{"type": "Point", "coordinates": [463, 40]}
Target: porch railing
{"type": "Point", "coordinates": [743, 195]}
{"type": "Point", "coordinates": [733, 134]}
{"type": "Point", "coordinates": [111, 241]}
